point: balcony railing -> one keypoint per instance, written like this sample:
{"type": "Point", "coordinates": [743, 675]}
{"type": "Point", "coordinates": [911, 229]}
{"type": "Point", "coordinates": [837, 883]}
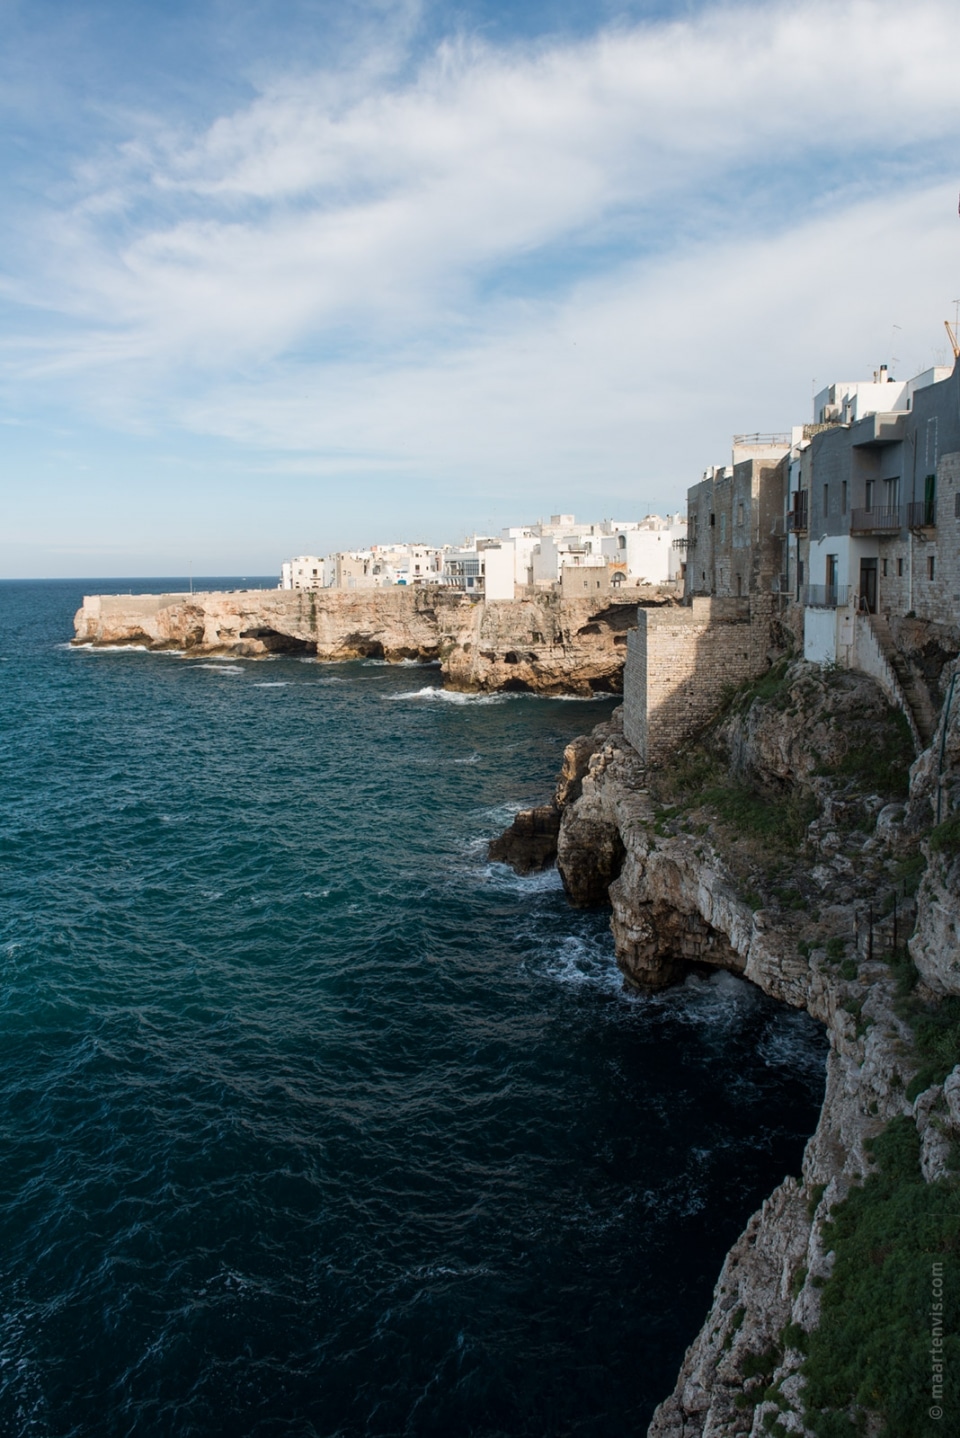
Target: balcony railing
{"type": "Point", "coordinates": [762, 441]}
{"type": "Point", "coordinates": [825, 596]}
{"type": "Point", "coordinates": [797, 516]}
{"type": "Point", "coordinates": [681, 543]}
{"type": "Point", "coordinates": [922, 514]}
{"type": "Point", "coordinates": [885, 520]}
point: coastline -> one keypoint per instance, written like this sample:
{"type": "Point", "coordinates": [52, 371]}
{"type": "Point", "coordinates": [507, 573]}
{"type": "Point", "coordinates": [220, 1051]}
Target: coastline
{"type": "Point", "coordinates": [679, 891]}
{"type": "Point", "coordinates": [541, 643]}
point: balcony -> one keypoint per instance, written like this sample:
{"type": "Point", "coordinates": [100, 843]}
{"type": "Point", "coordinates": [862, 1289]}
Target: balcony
{"type": "Point", "coordinates": [797, 515]}
{"type": "Point", "coordinates": [887, 520]}
{"type": "Point", "coordinates": [922, 514]}
{"type": "Point", "coordinates": [682, 543]}
{"type": "Point", "coordinates": [825, 596]}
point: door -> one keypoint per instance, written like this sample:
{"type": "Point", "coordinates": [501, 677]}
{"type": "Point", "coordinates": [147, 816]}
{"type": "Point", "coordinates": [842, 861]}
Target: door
{"type": "Point", "coordinates": [868, 585]}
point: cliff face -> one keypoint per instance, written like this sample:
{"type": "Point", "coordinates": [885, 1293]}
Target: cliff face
{"type": "Point", "coordinates": [545, 644]}
{"type": "Point", "coordinates": [802, 909]}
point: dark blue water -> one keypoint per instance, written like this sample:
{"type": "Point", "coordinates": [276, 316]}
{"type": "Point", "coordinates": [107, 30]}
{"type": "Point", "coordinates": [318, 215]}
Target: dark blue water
{"type": "Point", "coordinates": [313, 1122]}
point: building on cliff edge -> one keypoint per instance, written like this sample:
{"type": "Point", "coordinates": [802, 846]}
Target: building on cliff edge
{"type": "Point", "coordinates": [845, 531]}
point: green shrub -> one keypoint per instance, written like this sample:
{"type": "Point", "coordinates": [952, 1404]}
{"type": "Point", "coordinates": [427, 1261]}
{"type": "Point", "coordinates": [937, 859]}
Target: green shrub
{"type": "Point", "coordinates": [936, 1036]}
{"type": "Point", "coordinates": [882, 763]}
{"type": "Point", "coordinates": [945, 838]}
{"type": "Point", "coordinates": [872, 1346]}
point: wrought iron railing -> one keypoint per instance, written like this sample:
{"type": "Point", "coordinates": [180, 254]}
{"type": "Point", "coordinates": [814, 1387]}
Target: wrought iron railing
{"type": "Point", "coordinates": [922, 514]}
{"type": "Point", "coordinates": [797, 515]}
{"type": "Point", "coordinates": [884, 520]}
{"type": "Point", "coordinates": [825, 596]}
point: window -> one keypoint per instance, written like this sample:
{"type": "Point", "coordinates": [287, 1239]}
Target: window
{"type": "Point", "coordinates": [713, 520]}
{"type": "Point", "coordinates": [883, 569]}
{"type": "Point", "coordinates": [739, 584]}
{"type": "Point", "coordinates": [843, 496]}
{"type": "Point", "coordinates": [868, 493]}
{"type": "Point", "coordinates": [931, 565]}
{"type": "Point", "coordinates": [739, 513]}
{"type": "Point", "coordinates": [832, 568]}
{"type": "Point", "coordinates": [621, 541]}
{"type": "Point", "coordinates": [826, 499]}
{"type": "Point", "coordinates": [899, 568]}
{"type": "Point", "coordinates": [956, 505]}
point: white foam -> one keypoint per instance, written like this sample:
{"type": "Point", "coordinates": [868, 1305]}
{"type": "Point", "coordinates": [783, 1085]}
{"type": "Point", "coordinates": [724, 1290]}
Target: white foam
{"type": "Point", "coordinates": [109, 648]}
{"type": "Point", "coordinates": [221, 668]}
{"type": "Point", "coordinates": [449, 696]}
{"type": "Point", "coordinates": [501, 876]}
{"type": "Point", "coordinates": [270, 684]}
{"type": "Point", "coordinates": [585, 963]}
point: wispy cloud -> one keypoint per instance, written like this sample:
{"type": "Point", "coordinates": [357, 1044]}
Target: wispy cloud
{"type": "Point", "coordinates": [512, 264]}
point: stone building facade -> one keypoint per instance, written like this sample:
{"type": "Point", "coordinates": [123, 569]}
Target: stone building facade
{"type": "Point", "coordinates": [681, 658]}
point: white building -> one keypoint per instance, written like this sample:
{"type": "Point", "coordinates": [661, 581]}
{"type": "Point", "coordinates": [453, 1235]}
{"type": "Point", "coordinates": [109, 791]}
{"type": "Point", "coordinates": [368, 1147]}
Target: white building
{"type": "Point", "coordinates": [304, 572]}
{"type": "Point", "coordinates": [648, 549]}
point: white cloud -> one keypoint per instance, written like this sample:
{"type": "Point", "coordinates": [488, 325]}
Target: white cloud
{"type": "Point", "coordinates": [632, 378]}
{"type": "Point", "coordinates": [314, 272]}
{"type": "Point", "coordinates": [318, 206]}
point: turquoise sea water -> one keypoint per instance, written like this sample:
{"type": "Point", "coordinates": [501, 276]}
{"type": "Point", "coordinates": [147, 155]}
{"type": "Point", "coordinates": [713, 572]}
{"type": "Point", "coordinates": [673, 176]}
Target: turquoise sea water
{"type": "Point", "coordinates": [314, 1122]}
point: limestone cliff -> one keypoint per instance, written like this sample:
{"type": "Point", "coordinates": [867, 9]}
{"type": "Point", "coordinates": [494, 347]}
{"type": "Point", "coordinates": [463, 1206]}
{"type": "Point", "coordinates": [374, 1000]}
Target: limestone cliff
{"type": "Point", "coordinates": [544, 643]}
{"type": "Point", "coordinates": [775, 848]}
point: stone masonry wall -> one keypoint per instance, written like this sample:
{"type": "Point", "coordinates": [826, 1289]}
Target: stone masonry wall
{"type": "Point", "coordinates": [679, 661]}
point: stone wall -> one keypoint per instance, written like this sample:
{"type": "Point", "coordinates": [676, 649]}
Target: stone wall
{"type": "Point", "coordinates": [679, 661]}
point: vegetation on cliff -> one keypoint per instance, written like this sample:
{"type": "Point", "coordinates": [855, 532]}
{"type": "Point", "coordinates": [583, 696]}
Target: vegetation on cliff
{"type": "Point", "coordinates": [885, 1356]}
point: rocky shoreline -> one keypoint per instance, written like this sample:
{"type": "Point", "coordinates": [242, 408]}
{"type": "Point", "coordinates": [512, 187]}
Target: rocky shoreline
{"type": "Point", "coordinates": [810, 898]}
{"type": "Point", "coordinates": [542, 643]}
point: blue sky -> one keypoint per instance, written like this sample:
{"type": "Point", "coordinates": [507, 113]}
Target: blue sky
{"type": "Point", "coordinates": [290, 277]}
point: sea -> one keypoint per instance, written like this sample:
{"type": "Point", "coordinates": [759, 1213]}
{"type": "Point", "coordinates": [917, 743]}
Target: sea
{"type": "Point", "coordinates": [314, 1121]}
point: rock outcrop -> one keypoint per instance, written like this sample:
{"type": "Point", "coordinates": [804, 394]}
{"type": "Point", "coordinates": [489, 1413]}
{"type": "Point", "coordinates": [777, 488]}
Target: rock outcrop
{"type": "Point", "coordinates": [685, 889]}
{"type": "Point", "coordinates": [544, 644]}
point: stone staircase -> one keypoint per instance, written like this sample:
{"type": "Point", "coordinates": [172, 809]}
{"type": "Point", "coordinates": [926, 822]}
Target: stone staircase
{"type": "Point", "coordinates": [912, 686]}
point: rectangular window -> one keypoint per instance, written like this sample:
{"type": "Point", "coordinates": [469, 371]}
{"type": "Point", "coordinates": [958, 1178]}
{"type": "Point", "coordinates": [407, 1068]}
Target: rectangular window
{"type": "Point", "coordinates": [826, 499]}
{"type": "Point", "coordinates": [931, 565]}
{"type": "Point", "coordinates": [899, 568]}
{"type": "Point", "coordinates": [868, 494]}
{"type": "Point", "coordinates": [739, 513]}
{"type": "Point", "coordinates": [884, 568]}
{"type": "Point", "coordinates": [843, 497]}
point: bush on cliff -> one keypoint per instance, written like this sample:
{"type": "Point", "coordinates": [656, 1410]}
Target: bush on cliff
{"type": "Point", "coordinates": [881, 1335]}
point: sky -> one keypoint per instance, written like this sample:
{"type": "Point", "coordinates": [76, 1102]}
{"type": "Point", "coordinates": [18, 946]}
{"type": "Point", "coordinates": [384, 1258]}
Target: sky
{"type": "Point", "coordinates": [291, 277]}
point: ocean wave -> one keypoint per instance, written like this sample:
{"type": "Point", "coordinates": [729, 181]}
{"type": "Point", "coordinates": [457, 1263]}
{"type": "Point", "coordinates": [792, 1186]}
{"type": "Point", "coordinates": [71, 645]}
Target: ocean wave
{"type": "Point", "coordinates": [584, 963]}
{"type": "Point", "coordinates": [221, 667]}
{"type": "Point", "coordinates": [449, 696]}
{"type": "Point", "coordinates": [502, 877]}
{"type": "Point", "coordinates": [271, 684]}
{"type": "Point", "coordinates": [721, 1000]}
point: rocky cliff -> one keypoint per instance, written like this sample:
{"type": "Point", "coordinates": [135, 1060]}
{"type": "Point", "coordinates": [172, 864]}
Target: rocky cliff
{"type": "Point", "coordinates": [544, 644]}
{"type": "Point", "coordinates": [785, 847]}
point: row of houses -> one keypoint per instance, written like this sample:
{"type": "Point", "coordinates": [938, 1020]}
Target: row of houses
{"type": "Point", "coordinates": [578, 559]}
{"type": "Point", "coordinates": [846, 531]}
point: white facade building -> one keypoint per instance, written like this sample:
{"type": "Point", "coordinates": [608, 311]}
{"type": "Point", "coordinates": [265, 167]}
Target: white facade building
{"type": "Point", "coordinates": [304, 572]}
